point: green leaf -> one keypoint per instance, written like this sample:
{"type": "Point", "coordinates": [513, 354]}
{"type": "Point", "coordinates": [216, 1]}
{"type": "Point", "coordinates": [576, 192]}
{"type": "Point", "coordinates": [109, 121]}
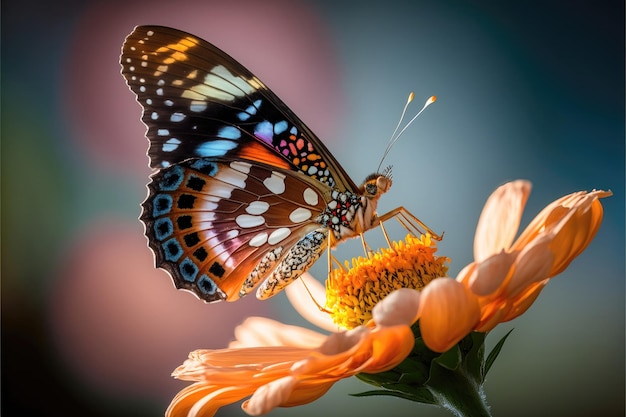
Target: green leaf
{"type": "Point", "coordinates": [473, 358]}
{"type": "Point", "coordinates": [420, 395]}
{"type": "Point", "coordinates": [450, 359]}
{"type": "Point", "coordinates": [495, 352]}
{"type": "Point", "coordinates": [380, 378]}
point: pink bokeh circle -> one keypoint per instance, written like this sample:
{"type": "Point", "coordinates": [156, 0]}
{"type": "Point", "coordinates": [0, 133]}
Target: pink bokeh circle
{"type": "Point", "coordinates": [121, 325]}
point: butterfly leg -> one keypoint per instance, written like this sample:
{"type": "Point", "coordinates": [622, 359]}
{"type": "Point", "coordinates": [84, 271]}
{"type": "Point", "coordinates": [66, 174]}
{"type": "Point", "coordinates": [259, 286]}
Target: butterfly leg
{"type": "Point", "coordinates": [297, 260]}
{"type": "Point", "coordinates": [408, 221]}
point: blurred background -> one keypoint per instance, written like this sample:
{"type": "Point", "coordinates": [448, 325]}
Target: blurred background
{"type": "Point", "coordinates": [531, 90]}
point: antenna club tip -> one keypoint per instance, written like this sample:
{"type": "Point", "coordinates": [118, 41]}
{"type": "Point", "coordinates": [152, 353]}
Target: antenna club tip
{"type": "Point", "coordinates": [432, 99]}
{"type": "Point", "coordinates": [411, 96]}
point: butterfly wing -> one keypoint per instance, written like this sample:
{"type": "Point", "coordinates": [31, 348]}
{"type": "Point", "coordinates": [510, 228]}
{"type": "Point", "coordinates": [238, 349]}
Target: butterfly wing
{"type": "Point", "coordinates": [213, 220]}
{"type": "Point", "coordinates": [200, 102]}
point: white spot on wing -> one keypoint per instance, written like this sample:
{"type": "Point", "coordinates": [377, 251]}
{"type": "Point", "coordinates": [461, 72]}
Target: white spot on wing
{"type": "Point", "coordinates": [258, 240]}
{"type": "Point", "coordinates": [275, 183]}
{"type": "Point", "coordinates": [207, 208]}
{"type": "Point", "coordinates": [221, 190]}
{"type": "Point", "coordinates": [247, 220]}
{"type": "Point", "coordinates": [241, 166]}
{"type": "Point", "coordinates": [278, 235]}
{"type": "Point", "coordinates": [310, 197]}
{"type": "Point", "coordinates": [257, 207]}
{"type": "Point", "coordinates": [300, 215]}
{"type": "Point", "coordinates": [233, 177]}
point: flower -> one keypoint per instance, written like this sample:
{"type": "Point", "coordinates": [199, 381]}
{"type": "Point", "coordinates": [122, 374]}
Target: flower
{"type": "Point", "coordinates": [506, 276]}
{"type": "Point", "coordinates": [281, 365]}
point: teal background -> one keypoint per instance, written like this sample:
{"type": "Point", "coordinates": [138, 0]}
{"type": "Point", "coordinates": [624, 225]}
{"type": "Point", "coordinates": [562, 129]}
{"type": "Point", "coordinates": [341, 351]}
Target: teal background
{"type": "Point", "coordinates": [531, 90]}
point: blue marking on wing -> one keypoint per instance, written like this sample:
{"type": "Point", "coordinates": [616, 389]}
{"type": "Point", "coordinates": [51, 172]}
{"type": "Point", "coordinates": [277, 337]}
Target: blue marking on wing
{"type": "Point", "coordinates": [206, 285]}
{"type": "Point", "coordinates": [280, 127]}
{"type": "Point", "coordinates": [215, 148]}
{"type": "Point", "coordinates": [229, 132]}
{"type": "Point", "coordinates": [188, 270]}
{"type": "Point", "coordinates": [171, 145]}
{"type": "Point", "coordinates": [264, 131]}
{"type": "Point", "coordinates": [173, 250]}
{"type": "Point", "coordinates": [205, 166]}
{"type": "Point", "coordinates": [172, 178]}
{"type": "Point", "coordinates": [163, 228]}
{"type": "Point", "coordinates": [162, 204]}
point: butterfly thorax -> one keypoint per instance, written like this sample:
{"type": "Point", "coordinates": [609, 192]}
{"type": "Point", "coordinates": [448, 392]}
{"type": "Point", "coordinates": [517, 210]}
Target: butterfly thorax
{"type": "Point", "coordinates": [349, 214]}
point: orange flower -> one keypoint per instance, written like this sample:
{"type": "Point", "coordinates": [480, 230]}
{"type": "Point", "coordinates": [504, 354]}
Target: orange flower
{"type": "Point", "coordinates": [505, 278]}
{"type": "Point", "coordinates": [281, 365]}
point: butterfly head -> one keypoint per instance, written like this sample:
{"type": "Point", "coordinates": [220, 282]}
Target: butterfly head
{"type": "Point", "coordinates": [376, 184]}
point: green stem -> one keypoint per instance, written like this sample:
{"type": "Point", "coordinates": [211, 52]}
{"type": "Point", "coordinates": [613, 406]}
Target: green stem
{"type": "Point", "coordinates": [458, 392]}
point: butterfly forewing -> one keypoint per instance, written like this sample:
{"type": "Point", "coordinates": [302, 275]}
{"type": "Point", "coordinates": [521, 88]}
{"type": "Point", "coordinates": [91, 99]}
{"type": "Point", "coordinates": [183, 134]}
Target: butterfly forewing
{"type": "Point", "coordinates": [199, 102]}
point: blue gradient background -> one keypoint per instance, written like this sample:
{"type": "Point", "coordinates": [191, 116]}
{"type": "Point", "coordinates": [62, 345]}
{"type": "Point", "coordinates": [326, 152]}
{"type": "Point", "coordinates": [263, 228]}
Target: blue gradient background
{"type": "Point", "coordinates": [531, 90]}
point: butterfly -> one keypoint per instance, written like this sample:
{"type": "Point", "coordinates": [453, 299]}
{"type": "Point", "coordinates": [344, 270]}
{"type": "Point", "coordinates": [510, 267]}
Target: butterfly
{"type": "Point", "coordinates": [244, 194]}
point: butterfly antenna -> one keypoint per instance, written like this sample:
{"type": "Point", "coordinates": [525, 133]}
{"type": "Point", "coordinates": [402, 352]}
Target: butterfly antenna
{"type": "Point", "coordinates": [395, 137]}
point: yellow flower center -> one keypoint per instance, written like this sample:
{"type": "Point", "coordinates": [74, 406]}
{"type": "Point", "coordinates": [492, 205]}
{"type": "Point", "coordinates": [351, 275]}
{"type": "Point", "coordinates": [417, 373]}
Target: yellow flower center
{"type": "Point", "coordinates": [351, 293]}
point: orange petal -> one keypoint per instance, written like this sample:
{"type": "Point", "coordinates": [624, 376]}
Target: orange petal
{"type": "Point", "coordinates": [201, 399]}
{"type": "Point", "coordinates": [492, 314]}
{"type": "Point", "coordinates": [523, 301]}
{"type": "Point", "coordinates": [448, 312]}
{"type": "Point", "coordinates": [533, 264]}
{"type": "Point", "coordinates": [499, 221]}
{"type": "Point", "coordinates": [399, 307]}
{"type": "Point", "coordinates": [203, 362]}
{"type": "Point", "coordinates": [576, 231]}
{"type": "Point", "coordinates": [466, 274]}
{"type": "Point", "coordinates": [261, 331]}
{"type": "Point", "coordinates": [309, 390]}
{"type": "Point", "coordinates": [269, 396]}
{"type": "Point", "coordinates": [489, 275]}
{"type": "Point", "coordinates": [554, 216]}
{"type": "Point", "coordinates": [390, 346]}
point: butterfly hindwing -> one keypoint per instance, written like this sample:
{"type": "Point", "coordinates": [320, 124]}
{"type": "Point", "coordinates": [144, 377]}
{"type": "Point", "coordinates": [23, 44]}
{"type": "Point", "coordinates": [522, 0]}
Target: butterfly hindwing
{"type": "Point", "coordinates": [212, 221]}
{"type": "Point", "coordinates": [200, 102]}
